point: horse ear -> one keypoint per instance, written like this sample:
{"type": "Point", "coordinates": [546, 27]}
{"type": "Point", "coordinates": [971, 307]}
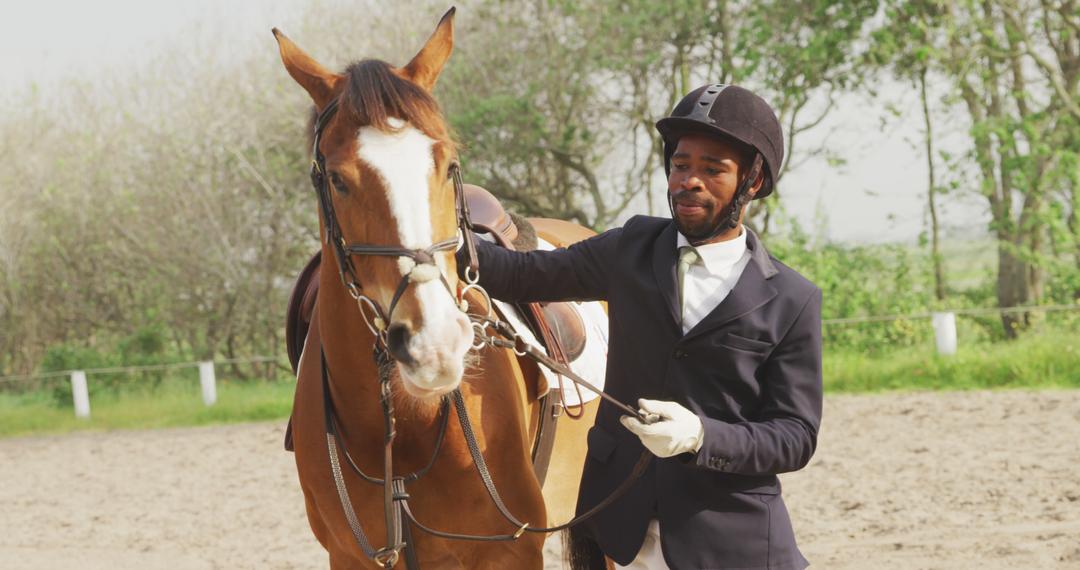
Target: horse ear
{"type": "Point", "coordinates": [310, 74]}
{"type": "Point", "coordinates": [425, 67]}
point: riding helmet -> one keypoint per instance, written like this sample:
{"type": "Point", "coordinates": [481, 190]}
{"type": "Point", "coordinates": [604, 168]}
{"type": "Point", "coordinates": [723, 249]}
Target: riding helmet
{"type": "Point", "coordinates": [732, 112]}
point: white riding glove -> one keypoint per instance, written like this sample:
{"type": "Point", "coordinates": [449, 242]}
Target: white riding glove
{"type": "Point", "coordinates": [678, 431]}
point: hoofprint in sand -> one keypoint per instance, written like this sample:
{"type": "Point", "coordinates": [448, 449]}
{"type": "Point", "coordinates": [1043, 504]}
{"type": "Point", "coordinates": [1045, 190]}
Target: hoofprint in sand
{"type": "Point", "coordinates": [975, 480]}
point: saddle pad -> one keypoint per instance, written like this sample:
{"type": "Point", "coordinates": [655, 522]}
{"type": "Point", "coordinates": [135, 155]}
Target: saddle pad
{"type": "Point", "coordinates": [591, 365]}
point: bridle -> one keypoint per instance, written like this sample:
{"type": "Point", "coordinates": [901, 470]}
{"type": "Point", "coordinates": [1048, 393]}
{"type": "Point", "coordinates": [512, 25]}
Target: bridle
{"type": "Point", "coordinates": [397, 513]}
{"type": "Point", "coordinates": [423, 260]}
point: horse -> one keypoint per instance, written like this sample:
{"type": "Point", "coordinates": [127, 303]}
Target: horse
{"type": "Point", "coordinates": [388, 163]}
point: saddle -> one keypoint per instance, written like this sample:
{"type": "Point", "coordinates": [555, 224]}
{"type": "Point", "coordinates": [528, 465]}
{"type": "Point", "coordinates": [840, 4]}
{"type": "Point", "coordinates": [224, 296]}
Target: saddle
{"type": "Point", "coordinates": [488, 216]}
{"type": "Point", "coordinates": [558, 325]}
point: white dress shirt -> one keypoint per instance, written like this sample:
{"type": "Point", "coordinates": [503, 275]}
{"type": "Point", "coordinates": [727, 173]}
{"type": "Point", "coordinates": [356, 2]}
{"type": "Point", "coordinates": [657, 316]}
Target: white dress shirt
{"type": "Point", "coordinates": [705, 285]}
{"type": "Point", "coordinates": [709, 281]}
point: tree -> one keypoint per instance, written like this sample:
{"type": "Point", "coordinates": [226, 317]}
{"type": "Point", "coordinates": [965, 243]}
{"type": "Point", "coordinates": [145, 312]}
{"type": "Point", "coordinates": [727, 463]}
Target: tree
{"type": "Point", "coordinates": [557, 100]}
{"type": "Point", "coordinates": [905, 47]}
{"type": "Point", "coordinates": [1013, 64]}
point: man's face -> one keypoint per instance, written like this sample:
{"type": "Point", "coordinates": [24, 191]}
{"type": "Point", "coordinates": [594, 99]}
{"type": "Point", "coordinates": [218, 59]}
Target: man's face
{"type": "Point", "coordinates": [705, 171]}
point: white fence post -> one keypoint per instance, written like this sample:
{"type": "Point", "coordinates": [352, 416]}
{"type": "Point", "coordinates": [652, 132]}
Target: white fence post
{"type": "Point", "coordinates": [945, 332]}
{"type": "Point", "coordinates": [207, 381]}
{"type": "Point", "coordinates": [80, 394]}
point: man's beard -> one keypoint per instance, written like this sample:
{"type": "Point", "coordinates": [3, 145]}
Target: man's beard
{"type": "Point", "coordinates": [715, 213]}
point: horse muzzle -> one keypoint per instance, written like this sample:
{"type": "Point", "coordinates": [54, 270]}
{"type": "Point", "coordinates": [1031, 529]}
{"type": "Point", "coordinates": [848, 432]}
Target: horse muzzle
{"type": "Point", "coordinates": [432, 360]}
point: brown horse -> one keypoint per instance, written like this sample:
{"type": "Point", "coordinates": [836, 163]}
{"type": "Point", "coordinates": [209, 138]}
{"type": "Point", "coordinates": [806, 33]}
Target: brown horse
{"type": "Point", "coordinates": [387, 154]}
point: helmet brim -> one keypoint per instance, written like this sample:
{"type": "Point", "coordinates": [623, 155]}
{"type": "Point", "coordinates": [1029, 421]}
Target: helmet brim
{"type": "Point", "coordinates": [673, 128]}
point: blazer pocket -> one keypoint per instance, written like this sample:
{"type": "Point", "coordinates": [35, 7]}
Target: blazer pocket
{"type": "Point", "coordinates": [601, 444]}
{"type": "Point", "coordinates": [732, 340]}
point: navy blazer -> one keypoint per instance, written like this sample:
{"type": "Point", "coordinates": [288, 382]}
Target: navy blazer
{"type": "Point", "coordinates": [751, 370]}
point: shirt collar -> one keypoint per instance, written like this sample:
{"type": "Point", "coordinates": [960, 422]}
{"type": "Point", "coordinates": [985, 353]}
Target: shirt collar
{"type": "Point", "coordinates": [719, 256]}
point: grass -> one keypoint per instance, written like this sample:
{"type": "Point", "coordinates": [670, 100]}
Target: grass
{"type": "Point", "coordinates": [1038, 360]}
{"type": "Point", "coordinates": [172, 404]}
{"type": "Point", "coordinates": [1047, 360]}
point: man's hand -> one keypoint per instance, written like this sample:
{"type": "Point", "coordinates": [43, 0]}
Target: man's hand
{"type": "Point", "coordinates": [678, 431]}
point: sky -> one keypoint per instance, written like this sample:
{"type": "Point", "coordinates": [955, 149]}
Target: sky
{"type": "Point", "coordinates": [878, 195]}
{"type": "Point", "coordinates": [42, 40]}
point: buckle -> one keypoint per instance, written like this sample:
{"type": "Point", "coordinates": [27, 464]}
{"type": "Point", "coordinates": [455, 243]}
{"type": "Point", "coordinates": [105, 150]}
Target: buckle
{"type": "Point", "coordinates": [386, 558]}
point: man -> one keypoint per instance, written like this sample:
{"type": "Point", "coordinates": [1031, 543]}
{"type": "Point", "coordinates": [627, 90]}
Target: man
{"type": "Point", "coordinates": [709, 332]}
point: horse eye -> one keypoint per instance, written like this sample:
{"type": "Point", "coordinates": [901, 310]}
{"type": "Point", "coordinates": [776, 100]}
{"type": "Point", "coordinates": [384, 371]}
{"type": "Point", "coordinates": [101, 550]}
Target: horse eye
{"type": "Point", "coordinates": [338, 183]}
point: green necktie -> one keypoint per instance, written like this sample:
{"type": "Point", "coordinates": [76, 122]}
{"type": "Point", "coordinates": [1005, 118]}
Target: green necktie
{"type": "Point", "coordinates": [687, 257]}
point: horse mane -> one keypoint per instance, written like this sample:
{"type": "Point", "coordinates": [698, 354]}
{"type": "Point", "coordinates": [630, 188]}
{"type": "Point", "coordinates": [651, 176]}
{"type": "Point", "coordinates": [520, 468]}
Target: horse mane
{"type": "Point", "coordinates": [374, 95]}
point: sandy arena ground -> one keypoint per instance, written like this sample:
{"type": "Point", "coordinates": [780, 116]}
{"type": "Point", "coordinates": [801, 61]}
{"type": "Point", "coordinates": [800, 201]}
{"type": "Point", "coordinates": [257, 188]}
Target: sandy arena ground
{"type": "Point", "coordinates": [952, 481]}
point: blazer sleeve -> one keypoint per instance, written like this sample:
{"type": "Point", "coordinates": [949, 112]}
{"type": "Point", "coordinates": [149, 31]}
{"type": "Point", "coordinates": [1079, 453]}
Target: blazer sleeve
{"type": "Point", "coordinates": [581, 272]}
{"type": "Point", "coordinates": [785, 437]}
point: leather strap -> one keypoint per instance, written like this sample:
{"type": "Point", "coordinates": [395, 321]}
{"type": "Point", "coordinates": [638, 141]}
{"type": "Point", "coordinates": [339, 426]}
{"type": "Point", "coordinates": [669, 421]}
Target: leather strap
{"type": "Point", "coordinates": [395, 496]}
{"type": "Point", "coordinates": [730, 219]}
{"type": "Point", "coordinates": [464, 219]}
{"type": "Point", "coordinates": [546, 429]}
{"type": "Point", "coordinates": [551, 404]}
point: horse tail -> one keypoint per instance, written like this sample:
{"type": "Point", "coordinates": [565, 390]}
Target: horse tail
{"type": "Point", "coordinates": [582, 552]}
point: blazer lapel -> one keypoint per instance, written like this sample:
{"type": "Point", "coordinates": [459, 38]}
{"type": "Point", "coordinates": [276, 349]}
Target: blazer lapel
{"type": "Point", "coordinates": [750, 292]}
{"type": "Point", "coordinates": [664, 269]}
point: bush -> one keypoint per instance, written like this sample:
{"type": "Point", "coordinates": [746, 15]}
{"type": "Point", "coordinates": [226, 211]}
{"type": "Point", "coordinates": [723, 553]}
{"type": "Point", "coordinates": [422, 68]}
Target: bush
{"type": "Point", "coordinates": [146, 346]}
{"type": "Point", "coordinates": [862, 281]}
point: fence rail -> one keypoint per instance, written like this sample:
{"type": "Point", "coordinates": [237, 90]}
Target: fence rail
{"type": "Point", "coordinates": [974, 311]}
{"type": "Point", "coordinates": [80, 393]}
{"type": "Point", "coordinates": [142, 368]}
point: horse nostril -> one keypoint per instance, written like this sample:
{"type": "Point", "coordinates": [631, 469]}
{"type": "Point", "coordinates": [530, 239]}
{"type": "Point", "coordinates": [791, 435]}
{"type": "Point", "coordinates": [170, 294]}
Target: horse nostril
{"type": "Point", "coordinates": [397, 340]}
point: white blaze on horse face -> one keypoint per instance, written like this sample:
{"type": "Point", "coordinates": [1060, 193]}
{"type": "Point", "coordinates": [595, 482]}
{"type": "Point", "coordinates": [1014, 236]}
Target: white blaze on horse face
{"type": "Point", "coordinates": [404, 161]}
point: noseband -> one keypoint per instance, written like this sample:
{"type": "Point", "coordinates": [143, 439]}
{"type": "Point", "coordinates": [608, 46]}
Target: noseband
{"type": "Point", "coordinates": [422, 267]}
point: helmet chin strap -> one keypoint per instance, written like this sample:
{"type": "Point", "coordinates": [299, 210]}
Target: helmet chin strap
{"type": "Point", "coordinates": [734, 209]}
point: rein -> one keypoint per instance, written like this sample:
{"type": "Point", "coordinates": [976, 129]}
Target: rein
{"type": "Point", "coordinates": [395, 497]}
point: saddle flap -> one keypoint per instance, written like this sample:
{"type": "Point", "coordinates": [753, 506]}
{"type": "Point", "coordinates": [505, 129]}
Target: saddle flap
{"type": "Point", "coordinates": [567, 327]}
{"type": "Point", "coordinates": [301, 306]}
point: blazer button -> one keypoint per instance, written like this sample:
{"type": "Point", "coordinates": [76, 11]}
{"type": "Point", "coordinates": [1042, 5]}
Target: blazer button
{"type": "Point", "coordinates": [679, 353]}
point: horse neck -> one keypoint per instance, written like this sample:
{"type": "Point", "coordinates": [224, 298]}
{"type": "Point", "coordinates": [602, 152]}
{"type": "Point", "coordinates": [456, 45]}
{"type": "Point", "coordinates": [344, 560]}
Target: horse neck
{"type": "Point", "coordinates": [502, 369]}
{"type": "Point", "coordinates": [347, 346]}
